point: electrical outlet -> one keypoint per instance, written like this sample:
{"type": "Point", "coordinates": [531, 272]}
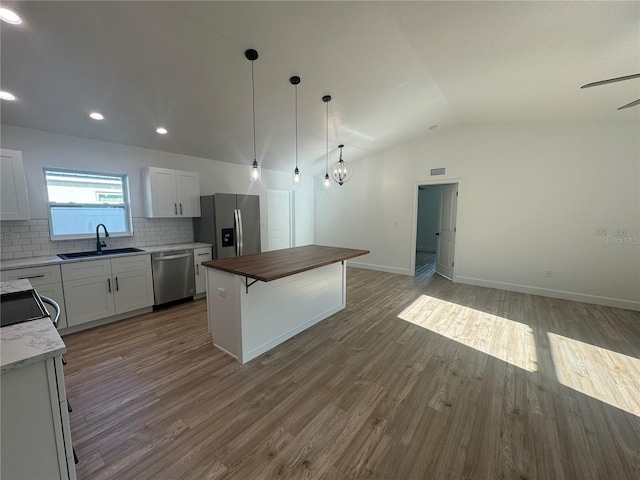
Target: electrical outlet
{"type": "Point", "coordinates": [622, 232]}
{"type": "Point", "coordinates": [601, 232]}
{"type": "Point", "coordinates": [9, 236]}
{"type": "Point", "coordinates": [548, 273]}
{"type": "Point", "coordinates": [222, 292]}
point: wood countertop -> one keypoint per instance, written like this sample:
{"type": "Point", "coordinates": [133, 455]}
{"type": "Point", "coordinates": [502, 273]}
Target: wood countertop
{"type": "Point", "coordinates": [268, 266]}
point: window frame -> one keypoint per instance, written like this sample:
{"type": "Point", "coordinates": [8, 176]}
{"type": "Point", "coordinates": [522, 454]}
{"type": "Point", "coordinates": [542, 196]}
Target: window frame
{"type": "Point", "coordinates": [84, 236]}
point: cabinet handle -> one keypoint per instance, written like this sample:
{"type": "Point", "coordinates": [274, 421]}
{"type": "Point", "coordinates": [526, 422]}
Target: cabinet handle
{"type": "Point", "coordinates": [31, 276]}
{"type": "Point", "coordinates": [180, 209]}
{"type": "Point", "coordinates": [117, 287]}
{"type": "Point", "coordinates": [175, 208]}
{"type": "Point", "coordinates": [202, 254]}
{"type": "Point", "coordinates": [109, 283]}
{"type": "Point", "coordinates": [197, 269]}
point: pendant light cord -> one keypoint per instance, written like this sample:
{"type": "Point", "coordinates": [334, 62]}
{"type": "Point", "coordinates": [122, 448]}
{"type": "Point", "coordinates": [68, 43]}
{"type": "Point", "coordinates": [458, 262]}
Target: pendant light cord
{"type": "Point", "coordinates": [326, 157]}
{"type": "Point", "coordinates": [296, 126]}
{"type": "Point", "coordinates": [253, 93]}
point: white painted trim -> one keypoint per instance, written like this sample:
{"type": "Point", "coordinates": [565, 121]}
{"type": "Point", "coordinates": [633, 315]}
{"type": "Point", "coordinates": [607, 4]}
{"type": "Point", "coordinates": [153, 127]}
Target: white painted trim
{"type": "Point", "coordinates": [379, 268]}
{"type": "Point", "coordinates": [547, 292]}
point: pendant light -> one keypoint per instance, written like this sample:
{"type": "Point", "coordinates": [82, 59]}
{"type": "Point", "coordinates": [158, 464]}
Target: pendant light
{"type": "Point", "coordinates": [341, 171]}
{"type": "Point", "coordinates": [255, 171]}
{"type": "Point", "coordinates": [295, 81]}
{"type": "Point", "coordinates": [326, 183]}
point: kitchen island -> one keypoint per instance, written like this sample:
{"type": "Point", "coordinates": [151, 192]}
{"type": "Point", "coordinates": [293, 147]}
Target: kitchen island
{"type": "Point", "coordinates": [255, 302]}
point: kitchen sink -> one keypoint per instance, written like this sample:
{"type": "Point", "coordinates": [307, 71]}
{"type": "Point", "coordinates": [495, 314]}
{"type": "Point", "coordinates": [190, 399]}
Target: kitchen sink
{"type": "Point", "coordinates": [95, 253]}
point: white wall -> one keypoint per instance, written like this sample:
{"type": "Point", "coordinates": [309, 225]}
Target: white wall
{"type": "Point", "coordinates": [531, 197]}
{"type": "Point", "coordinates": [41, 149]}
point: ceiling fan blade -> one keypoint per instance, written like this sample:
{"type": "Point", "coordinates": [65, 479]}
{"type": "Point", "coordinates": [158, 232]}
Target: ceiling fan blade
{"type": "Point", "coordinates": [611, 80]}
{"type": "Point", "coordinates": [632, 104]}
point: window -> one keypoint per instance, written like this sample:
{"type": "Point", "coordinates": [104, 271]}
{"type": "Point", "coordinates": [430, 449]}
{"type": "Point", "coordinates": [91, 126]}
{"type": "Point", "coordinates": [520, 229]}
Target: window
{"type": "Point", "coordinates": [79, 201]}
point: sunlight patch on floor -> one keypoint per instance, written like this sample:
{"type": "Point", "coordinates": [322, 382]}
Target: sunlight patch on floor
{"type": "Point", "coordinates": [505, 339]}
{"type": "Point", "coordinates": [603, 374]}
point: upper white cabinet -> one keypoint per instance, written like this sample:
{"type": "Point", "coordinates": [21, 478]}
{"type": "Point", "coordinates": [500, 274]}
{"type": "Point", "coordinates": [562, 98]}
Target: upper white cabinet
{"type": "Point", "coordinates": [170, 193]}
{"type": "Point", "coordinates": [14, 203]}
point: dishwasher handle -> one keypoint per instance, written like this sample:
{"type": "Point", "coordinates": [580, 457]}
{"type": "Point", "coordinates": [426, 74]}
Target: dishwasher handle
{"type": "Point", "coordinates": [171, 257]}
{"type": "Point", "coordinates": [54, 304]}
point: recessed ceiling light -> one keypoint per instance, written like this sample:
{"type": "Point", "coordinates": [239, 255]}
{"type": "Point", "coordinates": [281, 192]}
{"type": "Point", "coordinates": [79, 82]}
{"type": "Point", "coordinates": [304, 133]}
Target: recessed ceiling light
{"type": "Point", "coordinates": [96, 116]}
{"type": "Point", "coordinates": [161, 130]}
{"type": "Point", "coordinates": [9, 16]}
{"type": "Point", "coordinates": [7, 96]}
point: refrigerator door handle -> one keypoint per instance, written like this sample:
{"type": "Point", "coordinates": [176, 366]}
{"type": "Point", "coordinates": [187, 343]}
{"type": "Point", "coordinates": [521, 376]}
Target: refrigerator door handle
{"type": "Point", "coordinates": [241, 232]}
{"type": "Point", "coordinates": [237, 230]}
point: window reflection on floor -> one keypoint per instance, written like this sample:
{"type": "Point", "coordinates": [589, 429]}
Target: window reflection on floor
{"type": "Point", "coordinates": [608, 376]}
{"type": "Point", "coordinates": [509, 341]}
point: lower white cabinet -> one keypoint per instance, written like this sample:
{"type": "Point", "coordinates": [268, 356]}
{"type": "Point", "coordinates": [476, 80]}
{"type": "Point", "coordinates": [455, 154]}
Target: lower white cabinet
{"type": "Point", "coordinates": [200, 255]}
{"type": "Point", "coordinates": [103, 288]}
{"type": "Point", "coordinates": [36, 436]}
{"type": "Point", "coordinates": [46, 280]}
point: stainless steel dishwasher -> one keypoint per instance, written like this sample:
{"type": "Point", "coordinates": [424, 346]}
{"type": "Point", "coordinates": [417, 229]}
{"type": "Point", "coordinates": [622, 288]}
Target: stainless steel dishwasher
{"type": "Point", "coordinates": [173, 275]}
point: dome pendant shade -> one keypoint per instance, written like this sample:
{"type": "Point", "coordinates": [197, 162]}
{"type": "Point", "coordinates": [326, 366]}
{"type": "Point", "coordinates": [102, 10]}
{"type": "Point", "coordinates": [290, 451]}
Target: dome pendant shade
{"type": "Point", "coordinates": [341, 171]}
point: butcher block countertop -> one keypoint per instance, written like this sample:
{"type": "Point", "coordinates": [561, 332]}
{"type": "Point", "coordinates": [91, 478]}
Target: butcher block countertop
{"type": "Point", "coordinates": [268, 266]}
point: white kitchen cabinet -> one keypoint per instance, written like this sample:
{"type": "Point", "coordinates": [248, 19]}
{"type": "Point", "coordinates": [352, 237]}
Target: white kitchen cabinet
{"type": "Point", "coordinates": [99, 289]}
{"type": "Point", "coordinates": [14, 202]}
{"type": "Point", "coordinates": [170, 193]}
{"type": "Point", "coordinates": [36, 435]}
{"type": "Point", "coordinates": [46, 280]}
{"type": "Point", "coordinates": [200, 255]}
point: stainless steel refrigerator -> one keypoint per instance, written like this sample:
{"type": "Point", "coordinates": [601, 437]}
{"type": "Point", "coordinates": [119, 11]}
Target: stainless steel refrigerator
{"type": "Point", "coordinates": [231, 223]}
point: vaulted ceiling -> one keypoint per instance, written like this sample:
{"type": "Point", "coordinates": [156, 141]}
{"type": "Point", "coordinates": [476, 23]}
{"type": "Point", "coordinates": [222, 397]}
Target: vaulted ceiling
{"type": "Point", "coordinates": [394, 69]}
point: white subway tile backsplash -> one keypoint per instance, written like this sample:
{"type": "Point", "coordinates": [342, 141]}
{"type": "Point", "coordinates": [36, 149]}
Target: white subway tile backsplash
{"type": "Point", "coordinates": [30, 238]}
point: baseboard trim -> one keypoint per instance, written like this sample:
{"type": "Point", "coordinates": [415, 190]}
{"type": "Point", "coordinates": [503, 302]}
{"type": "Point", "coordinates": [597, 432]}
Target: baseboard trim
{"type": "Point", "coordinates": [379, 268]}
{"type": "Point", "coordinates": [547, 292]}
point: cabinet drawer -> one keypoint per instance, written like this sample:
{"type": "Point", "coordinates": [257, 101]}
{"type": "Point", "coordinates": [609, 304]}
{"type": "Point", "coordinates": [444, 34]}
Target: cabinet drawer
{"type": "Point", "coordinates": [130, 263]}
{"type": "Point", "coordinates": [202, 254]}
{"type": "Point", "coordinates": [80, 270]}
{"type": "Point", "coordinates": [36, 275]}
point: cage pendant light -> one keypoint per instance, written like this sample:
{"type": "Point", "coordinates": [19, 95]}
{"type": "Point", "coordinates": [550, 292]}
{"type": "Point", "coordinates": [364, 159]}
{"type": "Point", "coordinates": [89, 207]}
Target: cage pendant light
{"type": "Point", "coordinates": [255, 173]}
{"type": "Point", "coordinates": [326, 183]}
{"type": "Point", "coordinates": [341, 171]}
{"type": "Point", "coordinates": [296, 173]}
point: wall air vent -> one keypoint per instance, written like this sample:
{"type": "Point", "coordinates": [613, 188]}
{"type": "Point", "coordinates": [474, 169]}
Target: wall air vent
{"type": "Point", "coordinates": [437, 171]}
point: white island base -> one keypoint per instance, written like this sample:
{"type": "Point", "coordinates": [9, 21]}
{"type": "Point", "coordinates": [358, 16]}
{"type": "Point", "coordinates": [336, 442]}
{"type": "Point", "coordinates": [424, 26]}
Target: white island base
{"type": "Point", "coordinates": [247, 322]}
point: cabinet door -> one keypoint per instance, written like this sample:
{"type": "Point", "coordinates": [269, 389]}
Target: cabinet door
{"type": "Point", "coordinates": [161, 193]}
{"type": "Point", "coordinates": [54, 291]}
{"type": "Point", "coordinates": [133, 290]}
{"type": "Point", "coordinates": [89, 299]}
{"type": "Point", "coordinates": [14, 203]}
{"type": "Point", "coordinates": [188, 185]}
{"type": "Point", "coordinates": [201, 255]}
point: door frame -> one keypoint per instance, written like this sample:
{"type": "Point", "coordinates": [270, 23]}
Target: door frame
{"type": "Point", "coordinates": [414, 218]}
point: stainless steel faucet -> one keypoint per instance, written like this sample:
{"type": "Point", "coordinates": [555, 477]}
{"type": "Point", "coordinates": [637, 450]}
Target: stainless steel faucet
{"type": "Point", "coordinates": [100, 244]}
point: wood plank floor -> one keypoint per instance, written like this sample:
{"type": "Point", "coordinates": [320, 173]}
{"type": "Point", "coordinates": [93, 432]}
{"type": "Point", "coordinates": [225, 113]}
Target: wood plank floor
{"type": "Point", "coordinates": [418, 378]}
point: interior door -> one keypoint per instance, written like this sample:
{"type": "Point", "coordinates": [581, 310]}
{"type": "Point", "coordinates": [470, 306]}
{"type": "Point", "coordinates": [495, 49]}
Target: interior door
{"type": "Point", "coordinates": [279, 219]}
{"type": "Point", "coordinates": [225, 206]}
{"type": "Point", "coordinates": [446, 236]}
{"type": "Point", "coordinates": [249, 206]}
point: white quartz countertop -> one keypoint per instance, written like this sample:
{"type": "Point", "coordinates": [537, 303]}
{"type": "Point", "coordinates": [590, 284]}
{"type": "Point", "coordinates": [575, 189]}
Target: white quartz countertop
{"type": "Point", "coordinates": [55, 260]}
{"type": "Point", "coordinates": [28, 342]}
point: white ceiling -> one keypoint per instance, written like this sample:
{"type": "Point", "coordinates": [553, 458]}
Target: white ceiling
{"type": "Point", "coordinates": [394, 69]}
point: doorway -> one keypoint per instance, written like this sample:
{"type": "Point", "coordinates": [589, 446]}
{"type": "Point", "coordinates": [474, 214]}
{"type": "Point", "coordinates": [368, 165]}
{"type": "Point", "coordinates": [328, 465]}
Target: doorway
{"type": "Point", "coordinates": [435, 227]}
{"type": "Point", "coordinates": [279, 219]}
